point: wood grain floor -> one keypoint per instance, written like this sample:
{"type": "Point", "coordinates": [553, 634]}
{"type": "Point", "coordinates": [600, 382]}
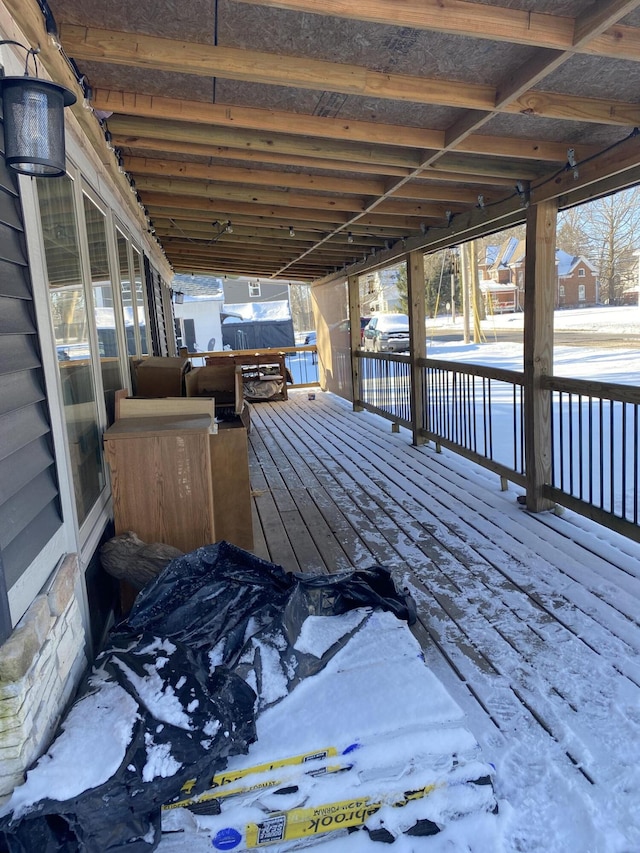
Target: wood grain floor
{"type": "Point", "coordinates": [520, 614]}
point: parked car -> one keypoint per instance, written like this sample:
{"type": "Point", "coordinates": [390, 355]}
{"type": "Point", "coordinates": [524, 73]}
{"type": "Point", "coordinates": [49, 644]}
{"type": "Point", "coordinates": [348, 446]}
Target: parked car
{"type": "Point", "coordinates": [364, 322]}
{"type": "Point", "coordinates": [387, 333]}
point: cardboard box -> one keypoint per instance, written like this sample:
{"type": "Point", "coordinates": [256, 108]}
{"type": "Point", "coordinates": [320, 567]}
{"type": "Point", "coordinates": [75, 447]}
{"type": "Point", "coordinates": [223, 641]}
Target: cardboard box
{"type": "Point", "coordinates": [224, 383]}
{"type": "Point", "coordinates": [219, 381]}
{"type": "Point", "coordinates": [162, 376]}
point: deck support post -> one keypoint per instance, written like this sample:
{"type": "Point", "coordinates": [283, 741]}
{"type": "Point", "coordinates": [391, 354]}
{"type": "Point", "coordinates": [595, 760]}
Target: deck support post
{"type": "Point", "coordinates": [539, 293]}
{"type": "Point", "coordinates": [354, 325]}
{"type": "Point", "coordinates": [417, 339]}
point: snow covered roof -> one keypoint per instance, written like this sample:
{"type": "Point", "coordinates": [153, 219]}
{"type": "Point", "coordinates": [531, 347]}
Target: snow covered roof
{"type": "Point", "coordinates": [198, 287]}
{"type": "Point", "coordinates": [567, 262]}
{"type": "Point", "coordinates": [491, 253]}
{"type": "Point", "coordinates": [248, 312]}
{"type": "Point", "coordinates": [491, 285]}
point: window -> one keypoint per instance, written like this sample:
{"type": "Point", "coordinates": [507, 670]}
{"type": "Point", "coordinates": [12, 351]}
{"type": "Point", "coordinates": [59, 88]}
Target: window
{"type": "Point", "coordinates": [141, 305]}
{"type": "Point", "coordinates": [581, 272]}
{"type": "Point", "coordinates": [254, 289]}
{"type": "Point", "coordinates": [582, 293]}
{"type": "Point", "coordinates": [70, 313]}
{"type": "Point", "coordinates": [103, 304]}
{"type": "Point", "coordinates": [127, 295]}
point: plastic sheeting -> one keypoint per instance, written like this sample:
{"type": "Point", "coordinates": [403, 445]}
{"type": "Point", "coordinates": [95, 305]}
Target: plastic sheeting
{"type": "Point", "coordinates": [183, 660]}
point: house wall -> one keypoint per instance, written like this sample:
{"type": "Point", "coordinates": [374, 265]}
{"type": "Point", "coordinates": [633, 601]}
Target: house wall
{"type": "Point", "coordinates": [206, 318]}
{"type": "Point", "coordinates": [52, 613]}
{"type": "Point", "coordinates": [40, 666]}
{"type": "Point", "coordinates": [571, 284]}
{"type": "Point", "coordinates": [237, 290]}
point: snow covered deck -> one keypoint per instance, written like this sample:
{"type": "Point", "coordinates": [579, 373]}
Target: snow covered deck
{"type": "Point", "coordinates": [530, 621]}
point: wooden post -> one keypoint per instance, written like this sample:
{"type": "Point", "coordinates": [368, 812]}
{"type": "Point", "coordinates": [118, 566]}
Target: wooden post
{"type": "Point", "coordinates": [417, 337]}
{"type": "Point", "coordinates": [354, 325]}
{"type": "Point", "coordinates": [465, 278]}
{"type": "Point", "coordinates": [539, 290]}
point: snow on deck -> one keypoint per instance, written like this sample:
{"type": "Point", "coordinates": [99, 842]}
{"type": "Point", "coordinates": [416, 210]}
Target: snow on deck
{"type": "Point", "coordinates": [530, 621]}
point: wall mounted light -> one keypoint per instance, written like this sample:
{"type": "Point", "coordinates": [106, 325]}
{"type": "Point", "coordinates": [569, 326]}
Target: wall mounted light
{"type": "Point", "coordinates": [178, 297]}
{"type": "Point", "coordinates": [34, 122]}
{"type": "Point", "coordinates": [292, 232]}
{"type": "Point", "coordinates": [349, 237]}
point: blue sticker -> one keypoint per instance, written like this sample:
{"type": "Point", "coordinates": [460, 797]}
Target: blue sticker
{"type": "Point", "coordinates": [351, 748]}
{"type": "Point", "coordinates": [227, 839]}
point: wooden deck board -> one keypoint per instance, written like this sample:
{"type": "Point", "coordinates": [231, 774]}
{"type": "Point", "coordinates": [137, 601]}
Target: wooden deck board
{"type": "Point", "coordinates": [503, 595]}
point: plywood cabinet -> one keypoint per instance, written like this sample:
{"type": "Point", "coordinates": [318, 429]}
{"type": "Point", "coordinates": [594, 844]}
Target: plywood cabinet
{"type": "Point", "coordinates": [161, 479]}
{"type": "Point", "coordinates": [176, 480]}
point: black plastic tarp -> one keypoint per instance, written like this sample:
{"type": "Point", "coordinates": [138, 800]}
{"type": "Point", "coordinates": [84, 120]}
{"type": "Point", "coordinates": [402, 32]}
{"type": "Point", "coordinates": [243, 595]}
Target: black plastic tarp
{"type": "Point", "coordinates": [258, 334]}
{"type": "Point", "coordinates": [195, 637]}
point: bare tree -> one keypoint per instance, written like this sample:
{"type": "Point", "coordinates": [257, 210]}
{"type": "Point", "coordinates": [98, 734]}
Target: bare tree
{"type": "Point", "coordinates": [571, 236]}
{"type": "Point", "coordinates": [610, 226]}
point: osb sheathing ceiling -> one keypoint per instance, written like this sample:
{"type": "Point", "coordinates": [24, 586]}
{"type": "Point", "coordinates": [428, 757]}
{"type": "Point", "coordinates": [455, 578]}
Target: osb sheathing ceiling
{"type": "Point", "coordinates": [327, 131]}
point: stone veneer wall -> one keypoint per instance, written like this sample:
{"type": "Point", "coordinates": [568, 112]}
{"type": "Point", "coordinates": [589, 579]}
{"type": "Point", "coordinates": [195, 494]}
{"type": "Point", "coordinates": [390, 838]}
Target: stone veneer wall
{"type": "Point", "coordinates": [40, 666]}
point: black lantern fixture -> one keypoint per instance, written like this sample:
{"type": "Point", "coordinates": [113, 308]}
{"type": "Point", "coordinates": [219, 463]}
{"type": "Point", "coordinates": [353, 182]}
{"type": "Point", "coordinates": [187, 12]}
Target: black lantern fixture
{"type": "Point", "coordinates": [34, 123]}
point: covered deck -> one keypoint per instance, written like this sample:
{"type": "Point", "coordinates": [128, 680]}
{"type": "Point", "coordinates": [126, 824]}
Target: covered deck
{"type": "Point", "coordinates": [530, 620]}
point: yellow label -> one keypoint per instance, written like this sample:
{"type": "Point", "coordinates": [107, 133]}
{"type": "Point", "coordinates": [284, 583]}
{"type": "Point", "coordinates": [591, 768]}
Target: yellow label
{"type": "Point", "coordinates": [305, 823]}
{"type": "Point", "coordinates": [227, 778]}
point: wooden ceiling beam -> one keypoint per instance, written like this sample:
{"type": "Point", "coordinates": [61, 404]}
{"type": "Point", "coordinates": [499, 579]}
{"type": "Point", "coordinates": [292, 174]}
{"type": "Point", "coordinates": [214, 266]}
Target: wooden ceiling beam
{"type": "Point", "coordinates": [322, 127]}
{"type": "Point", "coordinates": [266, 121]}
{"type": "Point", "coordinates": [238, 242]}
{"type": "Point", "coordinates": [267, 177]}
{"type": "Point", "coordinates": [339, 246]}
{"type": "Point", "coordinates": [131, 127]}
{"type": "Point", "coordinates": [263, 231]}
{"type": "Point", "coordinates": [162, 54]}
{"type": "Point", "coordinates": [213, 153]}
{"type": "Point", "coordinates": [219, 152]}
{"type": "Point", "coordinates": [251, 195]}
{"type": "Point", "coordinates": [321, 266]}
{"type": "Point", "coordinates": [587, 26]}
{"type": "Point", "coordinates": [475, 20]}
{"type": "Point", "coordinates": [286, 214]}
{"type": "Point", "coordinates": [181, 215]}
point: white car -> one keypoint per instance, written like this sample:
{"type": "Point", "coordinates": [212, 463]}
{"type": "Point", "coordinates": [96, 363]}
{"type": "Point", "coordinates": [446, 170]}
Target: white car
{"type": "Point", "coordinates": [387, 333]}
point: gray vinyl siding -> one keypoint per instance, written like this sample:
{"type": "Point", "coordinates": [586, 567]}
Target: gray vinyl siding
{"type": "Point", "coordinates": [30, 510]}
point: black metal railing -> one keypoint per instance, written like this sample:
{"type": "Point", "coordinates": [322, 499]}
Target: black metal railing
{"type": "Point", "coordinates": [385, 386]}
{"type": "Point", "coordinates": [595, 437]}
{"type": "Point", "coordinates": [477, 411]}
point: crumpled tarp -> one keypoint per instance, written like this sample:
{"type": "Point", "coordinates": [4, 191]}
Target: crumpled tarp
{"type": "Point", "coordinates": [196, 639]}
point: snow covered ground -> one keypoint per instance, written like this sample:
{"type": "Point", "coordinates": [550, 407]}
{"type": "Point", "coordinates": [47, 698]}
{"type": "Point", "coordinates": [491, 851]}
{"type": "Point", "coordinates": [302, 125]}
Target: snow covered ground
{"type": "Point", "coordinates": [619, 364]}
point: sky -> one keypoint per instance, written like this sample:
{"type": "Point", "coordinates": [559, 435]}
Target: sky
{"type": "Point", "coordinates": [379, 696]}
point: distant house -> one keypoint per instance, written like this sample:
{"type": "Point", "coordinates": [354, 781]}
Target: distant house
{"type": "Point", "coordinates": [577, 281]}
{"type": "Point", "coordinates": [499, 298]}
{"type": "Point", "coordinates": [503, 284]}
{"type": "Point", "coordinates": [197, 313]}
{"type": "Point", "coordinates": [248, 289]}
{"type": "Point", "coordinates": [380, 293]}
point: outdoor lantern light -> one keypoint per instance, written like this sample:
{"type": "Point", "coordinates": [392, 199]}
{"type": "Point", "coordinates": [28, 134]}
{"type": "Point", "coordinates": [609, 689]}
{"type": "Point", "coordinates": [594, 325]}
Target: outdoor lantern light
{"type": "Point", "coordinates": [34, 123]}
{"type": "Point", "coordinates": [179, 297]}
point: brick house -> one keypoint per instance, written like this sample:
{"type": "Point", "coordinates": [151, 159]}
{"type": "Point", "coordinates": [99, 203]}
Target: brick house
{"type": "Point", "coordinates": [577, 282]}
